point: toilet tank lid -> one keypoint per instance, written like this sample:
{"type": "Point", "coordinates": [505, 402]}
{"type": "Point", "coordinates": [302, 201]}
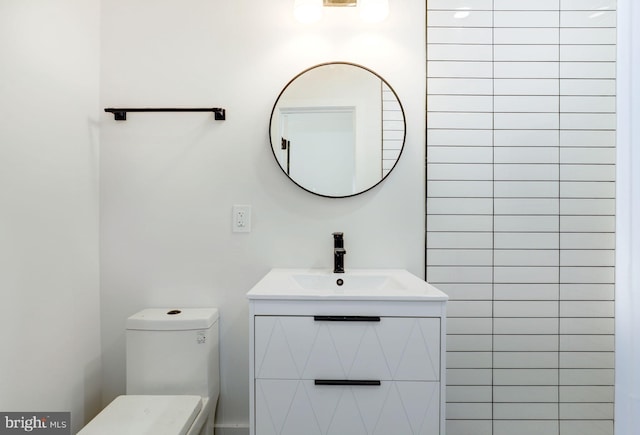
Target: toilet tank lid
{"type": "Point", "coordinates": [173, 319]}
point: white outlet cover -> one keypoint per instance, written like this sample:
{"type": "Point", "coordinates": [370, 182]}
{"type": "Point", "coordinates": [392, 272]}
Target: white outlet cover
{"type": "Point", "coordinates": [241, 218]}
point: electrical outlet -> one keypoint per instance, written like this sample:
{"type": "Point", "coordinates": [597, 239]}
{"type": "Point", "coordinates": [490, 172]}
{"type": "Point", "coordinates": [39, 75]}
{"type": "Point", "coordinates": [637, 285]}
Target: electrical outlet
{"type": "Point", "coordinates": [241, 219]}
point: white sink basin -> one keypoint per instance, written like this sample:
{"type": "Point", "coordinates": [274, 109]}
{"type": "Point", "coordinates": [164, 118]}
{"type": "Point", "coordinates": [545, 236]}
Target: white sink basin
{"type": "Point", "coordinates": [345, 282]}
{"type": "Point", "coordinates": [368, 284]}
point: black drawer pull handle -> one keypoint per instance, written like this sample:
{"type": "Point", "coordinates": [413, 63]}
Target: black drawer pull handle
{"type": "Point", "coordinates": [347, 318]}
{"type": "Point", "coordinates": [349, 382]}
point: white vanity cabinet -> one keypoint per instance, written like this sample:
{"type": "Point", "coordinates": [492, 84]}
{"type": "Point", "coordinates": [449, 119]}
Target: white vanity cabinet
{"type": "Point", "coordinates": [346, 364]}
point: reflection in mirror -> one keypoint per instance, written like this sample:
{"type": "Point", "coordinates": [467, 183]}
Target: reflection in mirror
{"type": "Point", "coordinates": [337, 129]}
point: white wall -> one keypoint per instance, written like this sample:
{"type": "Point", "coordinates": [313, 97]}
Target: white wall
{"type": "Point", "coordinates": [169, 180]}
{"type": "Point", "coordinates": [628, 210]}
{"type": "Point", "coordinates": [49, 328]}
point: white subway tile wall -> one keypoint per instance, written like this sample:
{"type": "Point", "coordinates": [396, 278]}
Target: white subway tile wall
{"type": "Point", "coordinates": [520, 211]}
{"type": "Point", "coordinates": [392, 129]}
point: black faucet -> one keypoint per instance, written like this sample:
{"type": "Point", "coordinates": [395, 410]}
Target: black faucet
{"type": "Point", "coordinates": [338, 253]}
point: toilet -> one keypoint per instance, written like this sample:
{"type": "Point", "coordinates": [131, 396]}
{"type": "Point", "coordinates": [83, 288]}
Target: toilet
{"type": "Point", "coordinates": [173, 376]}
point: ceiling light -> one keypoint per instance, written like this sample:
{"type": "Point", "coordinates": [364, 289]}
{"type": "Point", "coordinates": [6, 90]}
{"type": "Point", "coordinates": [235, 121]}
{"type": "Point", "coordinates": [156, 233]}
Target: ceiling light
{"type": "Point", "coordinates": [373, 11]}
{"type": "Point", "coordinates": [307, 11]}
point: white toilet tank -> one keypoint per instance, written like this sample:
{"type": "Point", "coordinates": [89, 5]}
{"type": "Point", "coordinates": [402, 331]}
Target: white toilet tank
{"type": "Point", "coordinates": [173, 352]}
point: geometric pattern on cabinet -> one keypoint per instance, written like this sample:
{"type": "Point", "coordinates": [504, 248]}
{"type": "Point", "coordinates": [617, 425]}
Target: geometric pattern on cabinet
{"type": "Point", "coordinates": [395, 348]}
{"type": "Point", "coordinates": [296, 407]}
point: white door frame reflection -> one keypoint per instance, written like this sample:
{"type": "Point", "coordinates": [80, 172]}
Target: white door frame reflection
{"type": "Point", "coordinates": [308, 147]}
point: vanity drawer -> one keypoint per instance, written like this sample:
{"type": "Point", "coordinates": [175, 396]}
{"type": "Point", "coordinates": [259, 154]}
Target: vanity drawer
{"type": "Point", "coordinates": [374, 348]}
{"type": "Point", "coordinates": [294, 407]}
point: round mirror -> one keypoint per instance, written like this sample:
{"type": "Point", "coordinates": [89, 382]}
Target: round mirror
{"type": "Point", "coordinates": [337, 129]}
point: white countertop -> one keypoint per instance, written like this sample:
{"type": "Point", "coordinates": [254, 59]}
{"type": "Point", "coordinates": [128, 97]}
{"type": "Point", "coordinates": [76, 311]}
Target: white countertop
{"type": "Point", "coordinates": [356, 284]}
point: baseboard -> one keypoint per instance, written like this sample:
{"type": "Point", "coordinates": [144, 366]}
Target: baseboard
{"type": "Point", "coordinates": [231, 429]}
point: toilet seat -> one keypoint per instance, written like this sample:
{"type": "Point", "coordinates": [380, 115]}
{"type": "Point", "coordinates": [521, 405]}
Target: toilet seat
{"type": "Point", "coordinates": [157, 415]}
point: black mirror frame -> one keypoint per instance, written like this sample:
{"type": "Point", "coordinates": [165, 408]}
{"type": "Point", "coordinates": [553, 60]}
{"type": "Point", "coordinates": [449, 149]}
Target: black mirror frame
{"type": "Point", "coordinates": [404, 121]}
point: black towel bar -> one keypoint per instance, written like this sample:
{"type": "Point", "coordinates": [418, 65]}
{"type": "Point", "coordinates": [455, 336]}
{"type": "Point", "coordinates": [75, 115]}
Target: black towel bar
{"type": "Point", "coordinates": [120, 114]}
